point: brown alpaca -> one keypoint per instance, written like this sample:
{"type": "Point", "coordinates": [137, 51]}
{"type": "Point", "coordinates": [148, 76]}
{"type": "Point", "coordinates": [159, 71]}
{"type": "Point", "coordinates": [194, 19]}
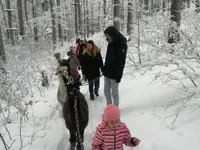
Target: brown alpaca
{"type": "Point", "coordinates": [69, 95]}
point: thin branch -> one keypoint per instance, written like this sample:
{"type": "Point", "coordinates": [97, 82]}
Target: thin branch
{"type": "Point", "coordinates": [3, 141]}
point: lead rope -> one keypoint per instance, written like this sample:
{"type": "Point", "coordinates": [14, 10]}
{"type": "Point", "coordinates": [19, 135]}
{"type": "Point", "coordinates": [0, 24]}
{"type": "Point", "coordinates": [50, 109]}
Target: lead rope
{"type": "Point", "coordinates": [77, 124]}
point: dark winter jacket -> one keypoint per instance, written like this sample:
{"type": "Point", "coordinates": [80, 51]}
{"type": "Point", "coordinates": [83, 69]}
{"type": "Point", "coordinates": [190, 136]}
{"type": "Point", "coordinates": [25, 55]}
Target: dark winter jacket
{"type": "Point", "coordinates": [92, 63]}
{"type": "Point", "coordinates": [116, 55]}
{"type": "Point", "coordinates": [80, 54]}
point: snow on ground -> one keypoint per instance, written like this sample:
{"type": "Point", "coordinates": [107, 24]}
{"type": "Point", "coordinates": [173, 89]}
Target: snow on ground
{"type": "Point", "coordinates": [138, 100]}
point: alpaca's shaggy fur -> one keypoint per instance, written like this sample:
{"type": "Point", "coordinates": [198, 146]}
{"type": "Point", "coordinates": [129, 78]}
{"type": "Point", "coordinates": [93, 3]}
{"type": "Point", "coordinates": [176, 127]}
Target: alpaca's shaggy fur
{"type": "Point", "coordinates": [68, 91]}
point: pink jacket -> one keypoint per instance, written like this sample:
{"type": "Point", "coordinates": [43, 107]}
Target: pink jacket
{"type": "Point", "coordinates": [106, 139]}
{"type": "Point", "coordinates": [78, 47]}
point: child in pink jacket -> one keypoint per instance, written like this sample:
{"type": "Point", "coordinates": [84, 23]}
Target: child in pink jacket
{"type": "Point", "coordinates": [112, 134]}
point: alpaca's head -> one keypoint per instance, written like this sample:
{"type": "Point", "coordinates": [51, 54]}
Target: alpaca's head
{"type": "Point", "coordinates": [63, 71]}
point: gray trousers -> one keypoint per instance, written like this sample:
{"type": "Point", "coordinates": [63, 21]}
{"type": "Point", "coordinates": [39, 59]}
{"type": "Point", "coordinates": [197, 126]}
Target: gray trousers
{"type": "Point", "coordinates": [110, 86]}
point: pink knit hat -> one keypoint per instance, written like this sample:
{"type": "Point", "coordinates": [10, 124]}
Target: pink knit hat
{"type": "Point", "coordinates": [111, 112]}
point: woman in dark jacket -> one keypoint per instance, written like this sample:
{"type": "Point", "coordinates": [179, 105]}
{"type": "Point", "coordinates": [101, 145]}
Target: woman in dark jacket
{"type": "Point", "coordinates": [91, 64]}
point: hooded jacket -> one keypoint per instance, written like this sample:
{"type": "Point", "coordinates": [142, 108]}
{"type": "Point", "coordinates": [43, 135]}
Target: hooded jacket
{"type": "Point", "coordinates": [106, 139]}
{"type": "Point", "coordinates": [92, 63]}
{"type": "Point", "coordinates": [116, 55]}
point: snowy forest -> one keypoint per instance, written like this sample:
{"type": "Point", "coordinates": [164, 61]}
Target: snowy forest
{"type": "Point", "coordinates": [160, 89]}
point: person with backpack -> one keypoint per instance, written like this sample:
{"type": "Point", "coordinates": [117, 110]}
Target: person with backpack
{"type": "Point", "coordinates": [74, 65]}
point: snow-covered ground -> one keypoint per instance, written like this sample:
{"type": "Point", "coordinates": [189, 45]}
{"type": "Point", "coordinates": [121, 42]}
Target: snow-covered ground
{"type": "Point", "coordinates": [138, 101]}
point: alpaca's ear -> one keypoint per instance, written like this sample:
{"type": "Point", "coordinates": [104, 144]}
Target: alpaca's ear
{"type": "Point", "coordinates": [58, 72]}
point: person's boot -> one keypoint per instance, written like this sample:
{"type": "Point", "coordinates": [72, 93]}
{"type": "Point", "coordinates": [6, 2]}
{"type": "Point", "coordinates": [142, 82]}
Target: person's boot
{"type": "Point", "coordinates": [97, 94]}
{"type": "Point", "coordinates": [72, 146]}
{"type": "Point", "coordinates": [91, 97]}
{"type": "Point", "coordinates": [79, 147]}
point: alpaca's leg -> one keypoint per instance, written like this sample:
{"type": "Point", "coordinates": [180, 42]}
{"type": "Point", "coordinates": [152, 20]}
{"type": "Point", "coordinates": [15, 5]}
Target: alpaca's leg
{"type": "Point", "coordinates": [72, 140]}
{"type": "Point", "coordinates": [82, 138]}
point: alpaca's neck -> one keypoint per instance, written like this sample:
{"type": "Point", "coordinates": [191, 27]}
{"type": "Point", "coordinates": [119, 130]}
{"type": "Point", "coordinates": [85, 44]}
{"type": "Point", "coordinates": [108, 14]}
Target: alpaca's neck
{"type": "Point", "coordinates": [62, 87]}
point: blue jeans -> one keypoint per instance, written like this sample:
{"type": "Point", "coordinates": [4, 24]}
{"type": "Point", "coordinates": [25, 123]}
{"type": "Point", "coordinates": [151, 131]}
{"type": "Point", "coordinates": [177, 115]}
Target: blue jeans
{"type": "Point", "coordinates": [94, 87]}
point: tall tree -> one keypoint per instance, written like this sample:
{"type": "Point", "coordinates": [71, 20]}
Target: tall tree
{"type": "Point", "coordinates": [173, 35]}
{"type": "Point", "coordinates": [20, 18]}
{"type": "Point", "coordinates": [99, 17]}
{"type": "Point", "coordinates": [35, 28]}
{"type": "Point", "coordinates": [197, 4]}
{"type": "Point", "coordinates": [10, 29]}
{"type": "Point", "coordinates": [76, 18]}
{"type": "Point", "coordinates": [60, 35]}
{"type": "Point", "coordinates": [130, 17]}
{"type": "Point", "coordinates": [2, 53]}
{"type": "Point", "coordinates": [79, 17]}
{"type": "Point", "coordinates": [45, 5]}
{"type": "Point", "coordinates": [146, 4]}
{"type": "Point", "coordinates": [53, 17]}
{"type": "Point", "coordinates": [2, 50]}
{"type": "Point", "coordinates": [104, 13]}
{"type": "Point", "coordinates": [26, 11]}
{"type": "Point", "coordinates": [87, 19]}
{"type": "Point", "coordinates": [117, 16]}
{"type": "Point", "coordinates": [4, 18]}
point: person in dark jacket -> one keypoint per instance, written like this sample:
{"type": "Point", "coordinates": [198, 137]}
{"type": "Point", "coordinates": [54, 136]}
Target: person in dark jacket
{"type": "Point", "coordinates": [80, 55]}
{"type": "Point", "coordinates": [114, 63]}
{"type": "Point", "coordinates": [92, 63]}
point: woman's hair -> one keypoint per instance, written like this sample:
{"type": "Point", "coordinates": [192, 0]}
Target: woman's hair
{"type": "Point", "coordinates": [90, 42]}
{"type": "Point", "coordinates": [77, 40]}
{"type": "Point", "coordinates": [84, 46]}
{"type": "Point", "coordinates": [95, 48]}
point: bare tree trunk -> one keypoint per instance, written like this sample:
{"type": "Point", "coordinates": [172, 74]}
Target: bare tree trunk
{"type": "Point", "coordinates": [122, 11]}
{"type": "Point", "coordinates": [92, 18]}
{"type": "Point", "coordinates": [76, 18]}
{"type": "Point", "coordinates": [150, 7]}
{"type": "Point", "coordinates": [117, 16]}
{"type": "Point", "coordinates": [60, 35]}
{"type": "Point", "coordinates": [79, 17]}
{"type": "Point", "coordinates": [99, 17]}
{"type": "Point", "coordinates": [146, 4]}
{"type": "Point", "coordinates": [174, 36]}
{"type": "Point", "coordinates": [87, 19]}
{"type": "Point", "coordinates": [4, 18]}
{"type": "Point", "coordinates": [197, 4]}
{"type": "Point", "coordinates": [65, 20]}
{"type": "Point", "coordinates": [44, 5]}
{"type": "Point", "coordinates": [53, 17]}
{"type": "Point", "coordinates": [104, 13]}
{"type": "Point", "coordinates": [188, 3]}
{"type": "Point", "coordinates": [2, 50]}
{"type": "Point", "coordinates": [21, 20]}
{"type": "Point", "coordinates": [11, 34]}
{"type": "Point", "coordinates": [26, 12]}
{"type": "Point", "coordinates": [139, 52]}
{"type": "Point", "coordinates": [84, 19]}
{"type": "Point", "coordinates": [35, 29]}
{"type": "Point", "coordinates": [130, 17]}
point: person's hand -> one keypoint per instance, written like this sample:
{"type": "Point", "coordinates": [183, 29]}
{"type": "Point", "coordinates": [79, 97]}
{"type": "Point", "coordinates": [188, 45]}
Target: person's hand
{"type": "Point", "coordinates": [136, 141]}
{"type": "Point", "coordinates": [118, 80]}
